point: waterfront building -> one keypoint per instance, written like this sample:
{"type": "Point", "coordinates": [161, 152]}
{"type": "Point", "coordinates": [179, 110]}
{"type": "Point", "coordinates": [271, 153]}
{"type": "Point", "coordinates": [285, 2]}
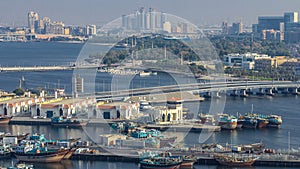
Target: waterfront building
{"type": "Point", "coordinates": [10, 106]}
{"type": "Point", "coordinates": [169, 114]}
{"type": "Point", "coordinates": [117, 110]}
{"type": "Point", "coordinates": [62, 107]}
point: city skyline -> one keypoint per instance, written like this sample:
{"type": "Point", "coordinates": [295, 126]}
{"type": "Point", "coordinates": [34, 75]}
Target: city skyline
{"type": "Point", "coordinates": [99, 12]}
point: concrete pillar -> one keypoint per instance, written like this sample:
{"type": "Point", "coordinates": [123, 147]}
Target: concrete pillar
{"type": "Point", "coordinates": [260, 92]}
{"type": "Point", "coordinates": [234, 93]}
{"type": "Point", "coordinates": [269, 92]}
{"type": "Point", "coordinates": [243, 93]}
{"type": "Point", "coordinates": [215, 94]}
{"type": "Point", "coordinates": [285, 91]}
{"type": "Point", "coordinates": [295, 91]}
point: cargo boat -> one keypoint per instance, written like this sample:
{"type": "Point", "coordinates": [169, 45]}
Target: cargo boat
{"type": "Point", "coordinates": [226, 121]}
{"type": "Point", "coordinates": [188, 162]}
{"type": "Point", "coordinates": [274, 121]}
{"type": "Point", "coordinates": [48, 156]}
{"type": "Point", "coordinates": [235, 160]}
{"type": "Point", "coordinates": [67, 122]}
{"type": "Point", "coordinates": [5, 119]}
{"type": "Point", "coordinates": [171, 162]}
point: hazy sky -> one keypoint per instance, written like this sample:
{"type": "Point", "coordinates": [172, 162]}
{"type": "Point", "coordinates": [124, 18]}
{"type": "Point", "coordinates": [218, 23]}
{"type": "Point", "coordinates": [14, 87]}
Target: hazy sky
{"type": "Point", "coordinates": [82, 12]}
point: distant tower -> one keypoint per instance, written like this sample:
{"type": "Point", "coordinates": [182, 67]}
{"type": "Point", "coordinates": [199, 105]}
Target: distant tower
{"type": "Point", "coordinates": [33, 21]}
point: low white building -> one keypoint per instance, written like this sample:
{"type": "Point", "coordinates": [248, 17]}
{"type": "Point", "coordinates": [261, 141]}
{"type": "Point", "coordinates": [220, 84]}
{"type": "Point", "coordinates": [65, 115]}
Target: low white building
{"type": "Point", "coordinates": [10, 106]}
{"type": "Point", "coordinates": [245, 61]}
{"type": "Point", "coordinates": [62, 107]}
{"type": "Point", "coordinates": [117, 110]}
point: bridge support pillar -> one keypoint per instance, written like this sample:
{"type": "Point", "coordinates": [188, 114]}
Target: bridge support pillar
{"type": "Point", "coordinates": [243, 93]}
{"type": "Point", "coordinates": [260, 92]}
{"type": "Point", "coordinates": [269, 92]}
{"type": "Point", "coordinates": [234, 93]}
{"type": "Point", "coordinates": [285, 91]}
{"type": "Point", "coordinates": [207, 95]}
{"type": "Point", "coordinates": [295, 91]}
{"type": "Point", "coordinates": [215, 94]}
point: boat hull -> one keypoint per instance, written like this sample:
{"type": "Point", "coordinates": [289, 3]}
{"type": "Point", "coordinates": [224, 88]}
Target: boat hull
{"type": "Point", "coordinates": [42, 157]}
{"type": "Point", "coordinates": [228, 125]}
{"type": "Point", "coordinates": [69, 124]}
{"type": "Point", "coordinates": [5, 120]}
{"type": "Point", "coordinates": [236, 164]}
{"type": "Point", "coordinates": [171, 166]}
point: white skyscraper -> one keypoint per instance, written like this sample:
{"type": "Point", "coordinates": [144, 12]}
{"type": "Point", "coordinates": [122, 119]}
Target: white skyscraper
{"type": "Point", "coordinates": [33, 21]}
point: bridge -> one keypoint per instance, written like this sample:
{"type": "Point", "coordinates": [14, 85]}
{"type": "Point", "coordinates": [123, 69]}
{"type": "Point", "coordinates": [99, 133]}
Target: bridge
{"type": "Point", "coordinates": [242, 88]}
{"type": "Point", "coordinates": [45, 68]}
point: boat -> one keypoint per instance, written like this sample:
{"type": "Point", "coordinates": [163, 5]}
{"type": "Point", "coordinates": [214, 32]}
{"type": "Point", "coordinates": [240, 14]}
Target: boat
{"type": "Point", "coordinates": [67, 122]}
{"type": "Point", "coordinates": [5, 151]}
{"type": "Point", "coordinates": [226, 121]}
{"type": "Point", "coordinates": [5, 119]}
{"type": "Point", "coordinates": [188, 162]}
{"type": "Point", "coordinates": [206, 118]}
{"type": "Point", "coordinates": [234, 160]}
{"type": "Point", "coordinates": [247, 122]}
{"type": "Point", "coordinates": [262, 122]}
{"type": "Point", "coordinates": [45, 156]}
{"type": "Point", "coordinates": [161, 162]}
{"type": "Point", "coordinates": [274, 121]}
{"type": "Point", "coordinates": [144, 73]}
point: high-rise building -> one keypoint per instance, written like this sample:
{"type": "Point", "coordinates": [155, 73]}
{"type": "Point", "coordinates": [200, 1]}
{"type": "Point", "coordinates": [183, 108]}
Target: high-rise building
{"type": "Point", "coordinates": [33, 21]}
{"type": "Point", "coordinates": [167, 27]}
{"type": "Point", "coordinates": [269, 22]}
{"type": "Point", "coordinates": [291, 17]}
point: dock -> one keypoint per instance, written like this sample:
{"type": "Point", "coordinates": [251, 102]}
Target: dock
{"type": "Point", "coordinates": [184, 127]}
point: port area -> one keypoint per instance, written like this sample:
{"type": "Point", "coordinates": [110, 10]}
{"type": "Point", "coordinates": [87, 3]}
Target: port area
{"type": "Point", "coordinates": [127, 155]}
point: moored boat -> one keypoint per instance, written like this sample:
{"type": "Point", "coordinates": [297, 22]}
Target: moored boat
{"type": "Point", "coordinates": [261, 122]}
{"type": "Point", "coordinates": [41, 156]}
{"type": "Point", "coordinates": [5, 119]}
{"type": "Point", "coordinates": [234, 160]}
{"type": "Point", "coordinates": [67, 122]}
{"type": "Point", "coordinates": [171, 162]}
{"type": "Point", "coordinates": [274, 121]}
{"type": "Point", "coordinates": [226, 121]}
{"type": "Point", "coordinates": [188, 162]}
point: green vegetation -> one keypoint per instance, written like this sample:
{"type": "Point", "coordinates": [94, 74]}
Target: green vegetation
{"type": "Point", "coordinates": [19, 92]}
{"type": "Point", "coordinates": [243, 44]}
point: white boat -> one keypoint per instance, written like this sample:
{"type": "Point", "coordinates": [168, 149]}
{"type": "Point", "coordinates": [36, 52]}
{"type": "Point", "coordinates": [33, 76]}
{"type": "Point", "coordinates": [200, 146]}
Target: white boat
{"type": "Point", "coordinates": [143, 74]}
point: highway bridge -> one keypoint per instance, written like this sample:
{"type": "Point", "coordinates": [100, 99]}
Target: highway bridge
{"type": "Point", "coordinates": [45, 68]}
{"type": "Point", "coordinates": [236, 87]}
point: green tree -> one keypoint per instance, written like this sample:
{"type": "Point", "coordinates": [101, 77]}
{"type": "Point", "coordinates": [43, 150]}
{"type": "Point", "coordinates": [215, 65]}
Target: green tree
{"type": "Point", "coordinates": [19, 91]}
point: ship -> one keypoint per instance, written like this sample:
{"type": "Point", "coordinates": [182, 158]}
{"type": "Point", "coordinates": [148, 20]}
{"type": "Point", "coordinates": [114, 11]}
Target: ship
{"type": "Point", "coordinates": [48, 156]}
{"type": "Point", "coordinates": [67, 122]}
{"type": "Point", "coordinates": [226, 121]}
{"type": "Point", "coordinates": [169, 162]}
{"type": "Point", "coordinates": [234, 160]}
{"type": "Point", "coordinates": [5, 119]}
{"type": "Point", "coordinates": [262, 122]}
{"type": "Point", "coordinates": [247, 122]}
{"type": "Point", "coordinates": [274, 121]}
{"type": "Point", "coordinates": [188, 162]}
{"type": "Point", "coordinates": [206, 118]}
{"type": "Point", "coordinates": [144, 73]}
